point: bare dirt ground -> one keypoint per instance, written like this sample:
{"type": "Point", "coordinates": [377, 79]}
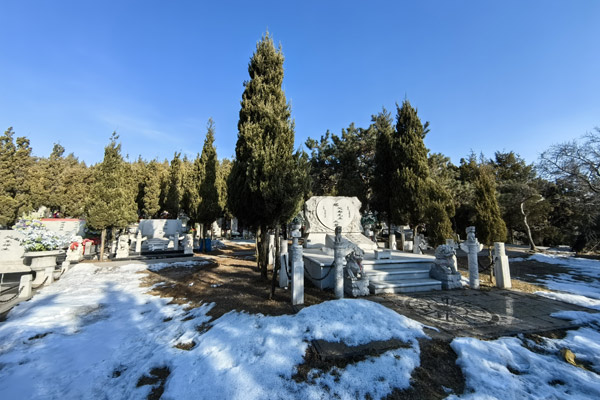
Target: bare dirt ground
{"type": "Point", "coordinates": [232, 282]}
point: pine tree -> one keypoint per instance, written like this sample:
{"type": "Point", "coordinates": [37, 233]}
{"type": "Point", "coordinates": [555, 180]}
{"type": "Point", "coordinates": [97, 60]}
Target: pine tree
{"type": "Point", "coordinates": [268, 180]}
{"type": "Point", "coordinates": [209, 208]}
{"type": "Point", "coordinates": [112, 202]}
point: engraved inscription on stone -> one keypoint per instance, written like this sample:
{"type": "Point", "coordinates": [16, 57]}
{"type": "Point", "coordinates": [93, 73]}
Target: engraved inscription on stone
{"type": "Point", "coordinates": [335, 213]}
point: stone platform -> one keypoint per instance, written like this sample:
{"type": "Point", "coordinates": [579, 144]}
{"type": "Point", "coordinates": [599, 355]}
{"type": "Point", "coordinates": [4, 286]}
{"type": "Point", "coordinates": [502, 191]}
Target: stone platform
{"type": "Point", "coordinates": [481, 313]}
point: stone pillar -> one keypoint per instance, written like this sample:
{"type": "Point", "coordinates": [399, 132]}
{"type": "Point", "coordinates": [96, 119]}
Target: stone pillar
{"type": "Point", "coordinates": [272, 250]}
{"type": "Point", "coordinates": [138, 242]}
{"type": "Point", "coordinates": [176, 241]}
{"type": "Point", "coordinates": [416, 244]}
{"type": "Point", "coordinates": [471, 246]}
{"type": "Point", "coordinates": [392, 241]}
{"type": "Point", "coordinates": [113, 247]}
{"type": "Point", "coordinates": [188, 244]}
{"type": "Point", "coordinates": [338, 262]}
{"type": "Point", "coordinates": [297, 270]}
{"type": "Point", "coordinates": [25, 286]}
{"type": "Point", "coordinates": [283, 273]}
{"type": "Point", "coordinates": [501, 267]}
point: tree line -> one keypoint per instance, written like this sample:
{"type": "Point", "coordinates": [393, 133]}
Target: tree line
{"type": "Point", "coordinates": [386, 165]}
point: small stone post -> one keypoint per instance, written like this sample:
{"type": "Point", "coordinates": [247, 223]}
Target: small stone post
{"type": "Point", "coordinates": [338, 262]}
{"type": "Point", "coordinates": [188, 244]}
{"type": "Point", "coordinates": [501, 267]}
{"type": "Point", "coordinates": [416, 244]}
{"type": "Point", "coordinates": [392, 241]}
{"type": "Point", "coordinates": [472, 247]}
{"type": "Point", "coordinates": [138, 242]}
{"type": "Point", "coordinates": [297, 270]}
{"type": "Point", "coordinates": [283, 274]}
{"type": "Point", "coordinates": [25, 286]}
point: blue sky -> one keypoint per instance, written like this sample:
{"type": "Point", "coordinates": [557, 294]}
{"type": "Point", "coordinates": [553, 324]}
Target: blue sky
{"type": "Point", "coordinates": [488, 75]}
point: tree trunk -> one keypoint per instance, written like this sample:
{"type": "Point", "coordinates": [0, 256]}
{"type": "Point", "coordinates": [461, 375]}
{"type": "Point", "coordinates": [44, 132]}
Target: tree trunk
{"type": "Point", "coordinates": [532, 245]}
{"type": "Point", "coordinates": [262, 248]}
{"type": "Point", "coordinates": [277, 265]}
{"type": "Point", "coordinates": [102, 243]}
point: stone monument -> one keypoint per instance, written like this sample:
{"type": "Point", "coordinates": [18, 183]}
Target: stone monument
{"type": "Point", "coordinates": [324, 213]}
{"type": "Point", "coordinates": [445, 267]}
{"type": "Point", "coordinates": [471, 246]}
{"type": "Point", "coordinates": [123, 246]}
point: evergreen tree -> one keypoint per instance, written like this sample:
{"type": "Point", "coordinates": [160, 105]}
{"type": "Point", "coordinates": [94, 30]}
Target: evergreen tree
{"type": "Point", "coordinates": [151, 195]}
{"type": "Point", "coordinates": [175, 187]}
{"type": "Point", "coordinates": [209, 208]}
{"type": "Point", "coordinates": [323, 162]}
{"type": "Point", "coordinates": [385, 164]}
{"type": "Point", "coordinates": [8, 204]}
{"type": "Point", "coordinates": [223, 174]}
{"type": "Point", "coordinates": [488, 222]}
{"type": "Point", "coordinates": [112, 202]}
{"type": "Point", "coordinates": [268, 180]}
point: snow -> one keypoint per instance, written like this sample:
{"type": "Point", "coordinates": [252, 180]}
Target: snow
{"type": "Point", "coordinates": [180, 264]}
{"type": "Point", "coordinates": [516, 368]}
{"type": "Point", "coordinates": [506, 369]}
{"type": "Point", "coordinates": [96, 331]}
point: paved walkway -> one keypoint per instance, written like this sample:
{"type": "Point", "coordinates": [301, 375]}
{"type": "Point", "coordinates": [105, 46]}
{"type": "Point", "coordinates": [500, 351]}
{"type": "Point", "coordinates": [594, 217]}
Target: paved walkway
{"type": "Point", "coordinates": [480, 313]}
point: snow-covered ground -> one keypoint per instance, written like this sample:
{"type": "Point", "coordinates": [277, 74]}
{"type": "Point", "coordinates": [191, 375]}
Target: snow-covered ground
{"type": "Point", "coordinates": [519, 368]}
{"type": "Point", "coordinates": [96, 332]}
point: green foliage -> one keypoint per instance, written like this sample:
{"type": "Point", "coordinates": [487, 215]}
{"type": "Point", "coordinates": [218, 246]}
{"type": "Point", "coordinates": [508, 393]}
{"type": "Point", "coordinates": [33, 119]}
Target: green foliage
{"type": "Point", "coordinates": [209, 208]}
{"type": "Point", "coordinates": [322, 162]}
{"type": "Point", "coordinates": [174, 187]}
{"type": "Point", "coordinates": [112, 202]}
{"type": "Point", "coordinates": [489, 225]}
{"type": "Point", "coordinates": [150, 193]}
{"type": "Point", "coordinates": [222, 176]}
{"type": "Point", "coordinates": [384, 163]}
{"type": "Point", "coordinates": [268, 180]}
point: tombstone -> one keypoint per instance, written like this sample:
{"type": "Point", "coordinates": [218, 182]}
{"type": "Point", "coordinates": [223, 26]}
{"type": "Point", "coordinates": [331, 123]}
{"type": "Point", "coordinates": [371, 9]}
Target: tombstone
{"type": "Point", "coordinates": [65, 226]}
{"type": "Point", "coordinates": [216, 230]}
{"type": "Point", "coordinates": [75, 250]}
{"type": "Point", "coordinates": [188, 244]}
{"type": "Point", "coordinates": [138, 241]}
{"type": "Point", "coordinates": [234, 227]}
{"type": "Point", "coordinates": [25, 286]}
{"type": "Point", "coordinates": [471, 246]}
{"type": "Point", "coordinates": [11, 253]}
{"type": "Point", "coordinates": [284, 260]}
{"type": "Point", "coordinates": [123, 246]}
{"type": "Point", "coordinates": [113, 247]}
{"type": "Point", "coordinates": [297, 270]}
{"type": "Point", "coordinates": [445, 268]}
{"type": "Point", "coordinates": [324, 213]}
{"type": "Point", "coordinates": [501, 267]}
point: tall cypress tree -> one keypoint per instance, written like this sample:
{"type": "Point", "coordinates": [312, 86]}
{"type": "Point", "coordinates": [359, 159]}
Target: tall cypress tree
{"type": "Point", "coordinates": [8, 204]}
{"type": "Point", "coordinates": [175, 187]}
{"type": "Point", "coordinates": [385, 164]}
{"type": "Point", "coordinates": [209, 208]}
{"type": "Point", "coordinates": [268, 180]}
{"type": "Point", "coordinates": [488, 221]}
{"type": "Point", "coordinates": [112, 202]}
{"type": "Point", "coordinates": [151, 192]}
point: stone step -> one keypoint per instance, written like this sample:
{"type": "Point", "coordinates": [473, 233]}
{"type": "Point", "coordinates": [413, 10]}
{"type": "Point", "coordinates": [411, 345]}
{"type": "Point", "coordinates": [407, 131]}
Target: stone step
{"type": "Point", "coordinates": [406, 286]}
{"type": "Point", "coordinates": [413, 265]}
{"type": "Point", "coordinates": [398, 274]}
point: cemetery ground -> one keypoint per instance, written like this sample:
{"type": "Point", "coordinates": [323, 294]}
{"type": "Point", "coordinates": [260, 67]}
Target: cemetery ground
{"type": "Point", "coordinates": [205, 328]}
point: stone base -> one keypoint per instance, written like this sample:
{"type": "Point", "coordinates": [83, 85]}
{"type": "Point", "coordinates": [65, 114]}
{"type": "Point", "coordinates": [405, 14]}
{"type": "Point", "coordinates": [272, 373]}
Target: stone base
{"type": "Point", "coordinates": [449, 280]}
{"type": "Point", "coordinates": [356, 287]}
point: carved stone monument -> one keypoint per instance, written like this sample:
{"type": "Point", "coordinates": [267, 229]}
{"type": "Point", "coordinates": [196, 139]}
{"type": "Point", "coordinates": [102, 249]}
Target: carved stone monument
{"type": "Point", "coordinates": [471, 246]}
{"type": "Point", "coordinates": [356, 282]}
{"type": "Point", "coordinates": [123, 246]}
{"type": "Point", "coordinates": [324, 213]}
{"type": "Point", "coordinates": [445, 267]}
